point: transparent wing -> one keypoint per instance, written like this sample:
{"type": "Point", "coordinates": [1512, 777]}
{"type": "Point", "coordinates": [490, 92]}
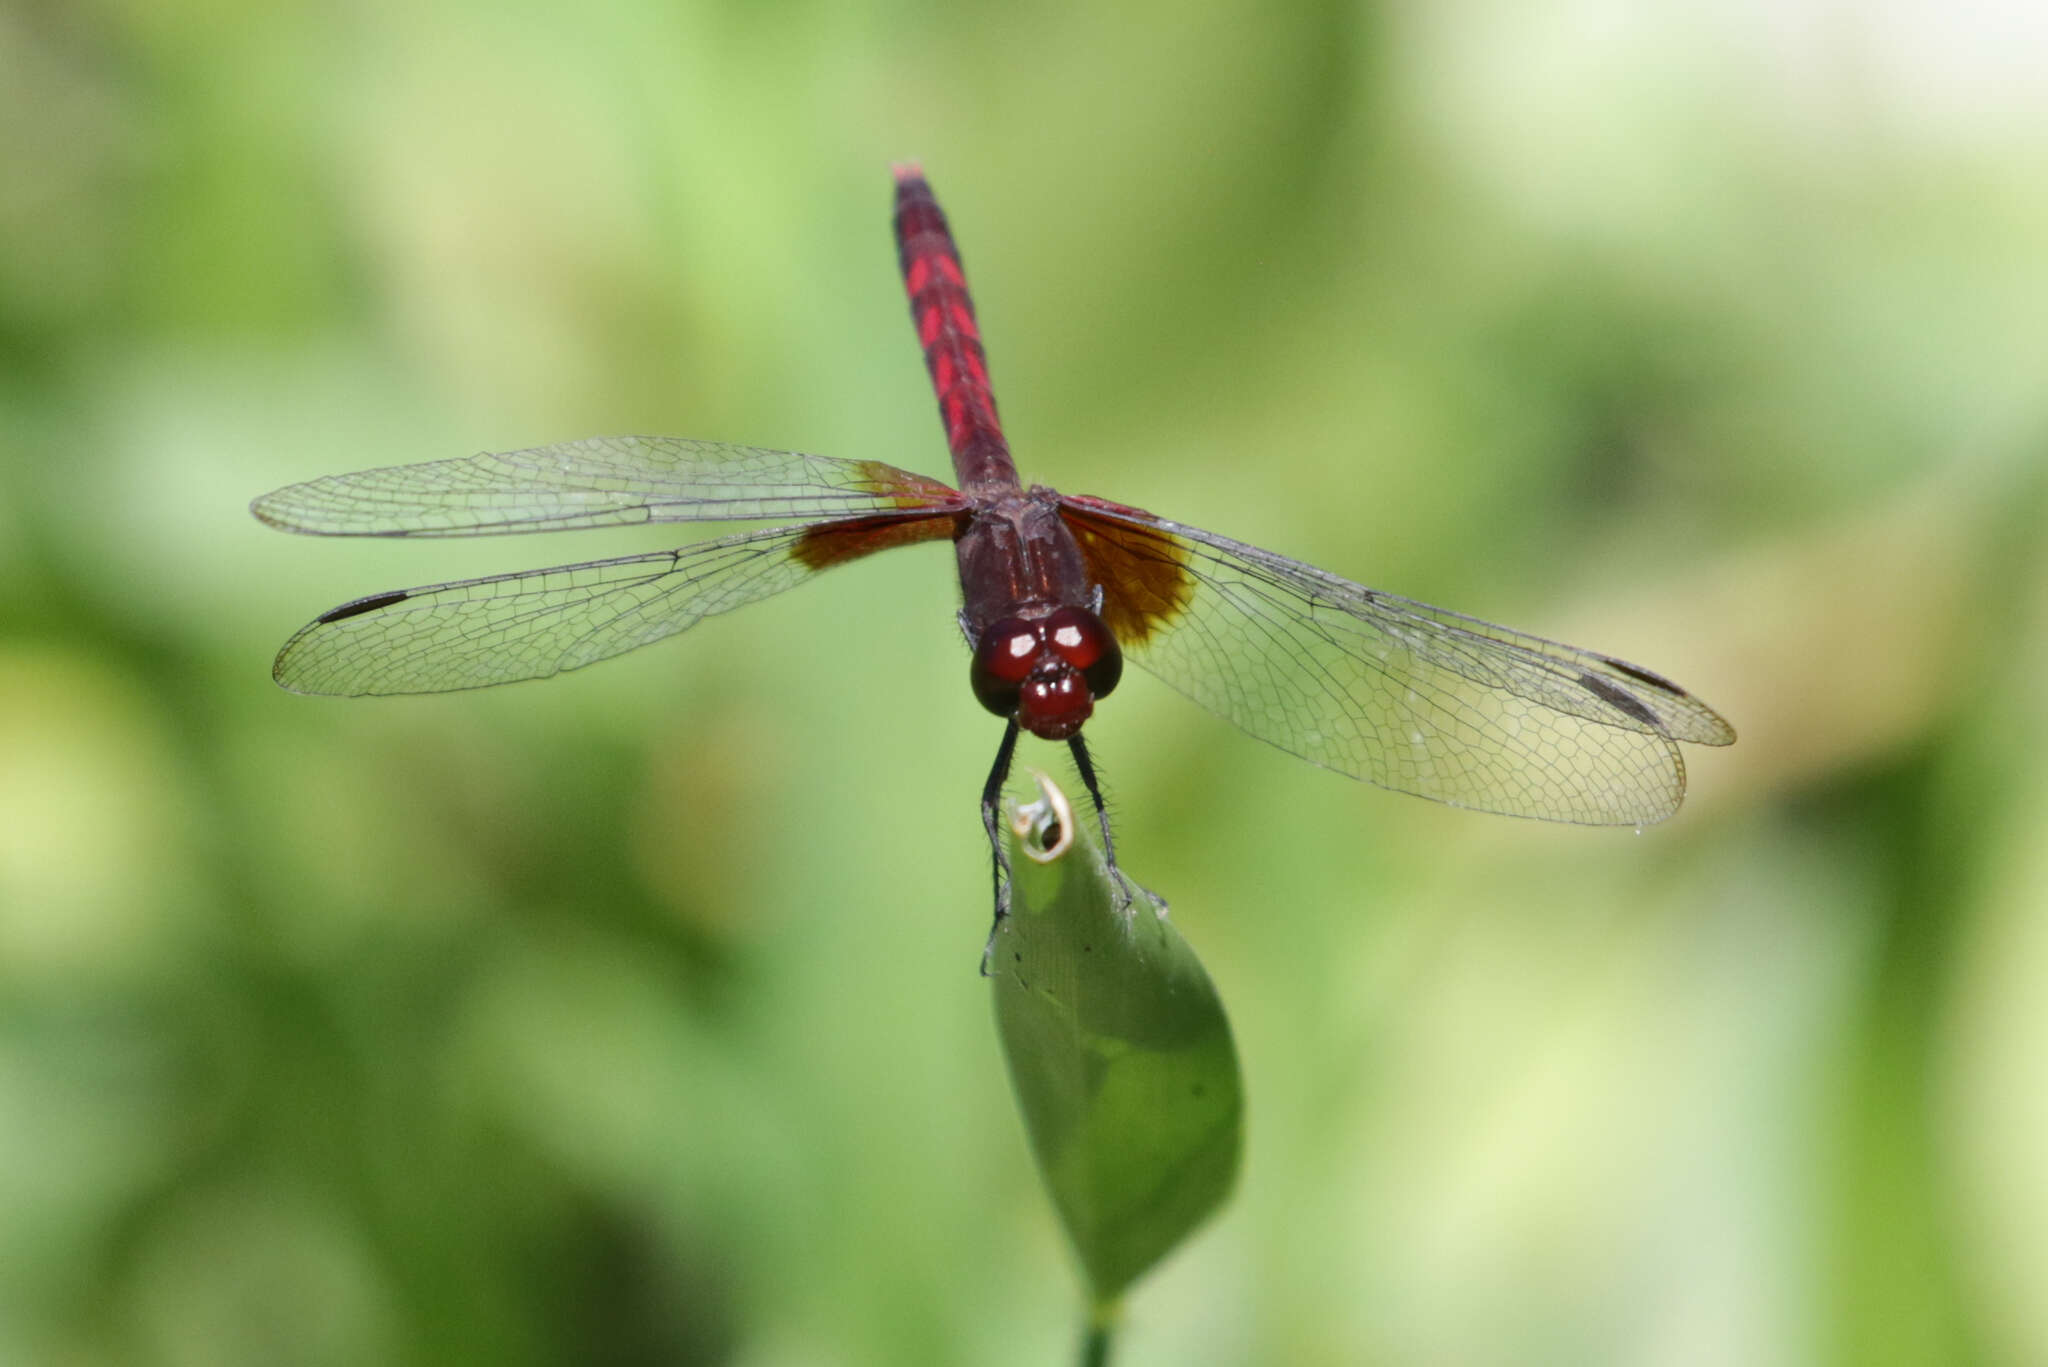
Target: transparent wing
{"type": "Point", "coordinates": [1385, 689]}
{"type": "Point", "coordinates": [477, 632]}
{"type": "Point", "coordinates": [598, 482]}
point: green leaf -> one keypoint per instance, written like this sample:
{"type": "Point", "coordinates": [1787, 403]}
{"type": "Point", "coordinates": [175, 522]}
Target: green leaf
{"type": "Point", "coordinates": [1118, 1049]}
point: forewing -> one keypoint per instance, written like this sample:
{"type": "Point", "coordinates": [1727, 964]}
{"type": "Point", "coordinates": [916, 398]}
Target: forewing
{"type": "Point", "coordinates": [478, 632]}
{"type": "Point", "coordinates": [1395, 692]}
{"type": "Point", "coordinates": [598, 482]}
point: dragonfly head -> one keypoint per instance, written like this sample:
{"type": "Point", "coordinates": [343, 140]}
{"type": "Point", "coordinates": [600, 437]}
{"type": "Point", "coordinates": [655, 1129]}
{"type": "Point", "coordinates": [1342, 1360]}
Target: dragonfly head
{"type": "Point", "coordinates": [1047, 672]}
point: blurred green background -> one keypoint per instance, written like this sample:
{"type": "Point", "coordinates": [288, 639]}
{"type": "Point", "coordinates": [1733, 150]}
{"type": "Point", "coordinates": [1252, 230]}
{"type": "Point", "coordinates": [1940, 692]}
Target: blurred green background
{"type": "Point", "coordinates": [633, 1017]}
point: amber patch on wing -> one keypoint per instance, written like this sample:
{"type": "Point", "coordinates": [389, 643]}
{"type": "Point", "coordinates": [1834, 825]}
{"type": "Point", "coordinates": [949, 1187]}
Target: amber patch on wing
{"type": "Point", "coordinates": [909, 489]}
{"type": "Point", "coordinates": [835, 543]}
{"type": "Point", "coordinates": [1142, 570]}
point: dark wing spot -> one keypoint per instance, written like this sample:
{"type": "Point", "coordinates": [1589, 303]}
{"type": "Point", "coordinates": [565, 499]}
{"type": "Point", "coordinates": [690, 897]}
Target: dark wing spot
{"type": "Point", "coordinates": [363, 605]}
{"type": "Point", "coordinates": [1142, 571]}
{"type": "Point", "coordinates": [911, 490]}
{"type": "Point", "coordinates": [1621, 700]}
{"type": "Point", "coordinates": [1645, 676]}
{"type": "Point", "coordinates": [835, 543]}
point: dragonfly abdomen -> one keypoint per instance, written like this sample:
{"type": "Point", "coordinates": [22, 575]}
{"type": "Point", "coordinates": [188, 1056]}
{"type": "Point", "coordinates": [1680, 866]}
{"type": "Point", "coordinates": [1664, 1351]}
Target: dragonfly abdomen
{"type": "Point", "coordinates": [944, 315]}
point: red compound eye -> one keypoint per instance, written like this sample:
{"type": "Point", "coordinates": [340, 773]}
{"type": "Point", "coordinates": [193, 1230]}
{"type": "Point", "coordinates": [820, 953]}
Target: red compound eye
{"type": "Point", "coordinates": [1079, 637]}
{"type": "Point", "coordinates": [1002, 661]}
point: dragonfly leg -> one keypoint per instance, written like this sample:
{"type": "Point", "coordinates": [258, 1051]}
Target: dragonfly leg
{"type": "Point", "coordinates": [1124, 886]}
{"type": "Point", "coordinates": [991, 821]}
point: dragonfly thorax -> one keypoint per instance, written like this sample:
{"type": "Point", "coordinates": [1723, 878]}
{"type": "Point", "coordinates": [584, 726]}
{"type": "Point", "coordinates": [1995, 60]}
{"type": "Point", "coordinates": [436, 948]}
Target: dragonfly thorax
{"type": "Point", "coordinates": [1046, 673]}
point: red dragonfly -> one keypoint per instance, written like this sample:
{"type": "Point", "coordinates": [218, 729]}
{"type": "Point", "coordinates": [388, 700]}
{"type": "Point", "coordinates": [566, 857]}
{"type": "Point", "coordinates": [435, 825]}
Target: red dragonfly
{"type": "Point", "coordinates": [1056, 588]}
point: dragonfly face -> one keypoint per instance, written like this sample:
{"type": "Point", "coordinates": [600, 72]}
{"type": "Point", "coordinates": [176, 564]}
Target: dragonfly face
{"type": "Point", "coordinates": [1056, 590]}
{"type": "Point", "coordinates": [1046, 674]}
